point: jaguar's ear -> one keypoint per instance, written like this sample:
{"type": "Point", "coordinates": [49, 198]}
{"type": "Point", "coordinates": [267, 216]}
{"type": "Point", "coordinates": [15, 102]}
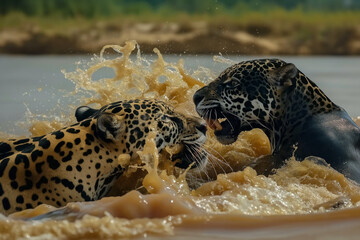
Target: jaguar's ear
{"type": "Point", "coordinates": [84, 112]}
{"type": "Point", "coordinates": [109, 126]}
{"type": "Point", "coordinates": [283, 76]}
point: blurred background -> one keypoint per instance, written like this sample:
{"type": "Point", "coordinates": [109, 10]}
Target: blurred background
{"type": "Point", "coordinates": [262, 27]}
{"type": "Point", "coordinates": [39, 38]}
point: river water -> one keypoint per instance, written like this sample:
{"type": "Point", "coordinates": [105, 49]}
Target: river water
{"type": "Point", "coordinates": [36, 82]}
{"type": "Point", "coordinates": [300, 200]}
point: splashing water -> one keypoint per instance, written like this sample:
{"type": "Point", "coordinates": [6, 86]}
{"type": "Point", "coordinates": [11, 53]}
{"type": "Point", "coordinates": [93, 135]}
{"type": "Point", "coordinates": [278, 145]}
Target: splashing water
{"type": "Point", "coordinates": [166, 200]}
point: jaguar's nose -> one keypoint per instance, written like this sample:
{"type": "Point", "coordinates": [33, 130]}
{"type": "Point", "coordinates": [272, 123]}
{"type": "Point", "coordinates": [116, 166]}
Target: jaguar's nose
{"type": "Point", "coordinates": [198, 96]}
{"type": "Point", "coordinates": [202, 128]}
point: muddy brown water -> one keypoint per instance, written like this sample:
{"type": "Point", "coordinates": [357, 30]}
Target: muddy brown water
{"type": "Point", "coordinates": [301, 200]}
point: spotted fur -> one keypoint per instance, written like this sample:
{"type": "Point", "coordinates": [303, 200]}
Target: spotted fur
{"type": "Point", "coordinates": [291, 109]}
{"type": "Point", "coordinates": [79, 162]}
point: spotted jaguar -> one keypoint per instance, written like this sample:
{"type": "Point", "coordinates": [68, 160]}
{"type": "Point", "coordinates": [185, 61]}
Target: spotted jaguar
{"type": "Point", "coordinates": [292, 110]}
{"type": "Point", "coordinates": [80, 162]}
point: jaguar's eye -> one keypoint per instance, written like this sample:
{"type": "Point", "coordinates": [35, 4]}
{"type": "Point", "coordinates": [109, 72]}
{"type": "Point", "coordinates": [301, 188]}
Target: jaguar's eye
{"type": "Point", "coordinates": [234, 82]}
{"type": "Point", "coordinates": [165, 118]}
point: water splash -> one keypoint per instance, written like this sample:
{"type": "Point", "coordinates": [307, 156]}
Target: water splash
{"type": "Point", "coordinates": [225, 189]}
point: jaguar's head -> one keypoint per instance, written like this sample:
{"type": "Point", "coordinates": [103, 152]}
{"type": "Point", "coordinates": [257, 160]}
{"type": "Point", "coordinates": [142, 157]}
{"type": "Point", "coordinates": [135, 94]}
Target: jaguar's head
{"type": "Point", "coordinates": [128, 123]}
{"type": "Point", "coordinates": [245, 96]}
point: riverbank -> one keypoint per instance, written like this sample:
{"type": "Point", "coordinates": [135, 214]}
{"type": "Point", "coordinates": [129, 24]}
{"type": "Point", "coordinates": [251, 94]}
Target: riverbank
{"type": "Point", "coordinates": [286, 34]}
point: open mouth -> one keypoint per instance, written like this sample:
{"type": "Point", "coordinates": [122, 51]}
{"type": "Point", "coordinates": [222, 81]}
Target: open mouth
{"type": "Point", "coordinates": [226, 126]}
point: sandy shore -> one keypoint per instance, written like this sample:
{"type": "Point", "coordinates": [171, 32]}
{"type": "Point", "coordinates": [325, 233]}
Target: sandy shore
{"type": "Point", "coordinates": [194, 38]}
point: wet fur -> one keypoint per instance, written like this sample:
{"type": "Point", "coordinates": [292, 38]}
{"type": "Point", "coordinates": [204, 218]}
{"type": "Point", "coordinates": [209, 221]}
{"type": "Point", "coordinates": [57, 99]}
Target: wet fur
{"type": "Point", "coordinates": [296, 115]}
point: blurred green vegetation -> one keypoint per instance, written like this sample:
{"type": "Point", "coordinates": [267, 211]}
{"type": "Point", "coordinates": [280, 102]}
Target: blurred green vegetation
{"type": "Point", "coordinates": [318, 26]}
{"type": "Point", "coordinates": [165, 8]}
{"type": "Point", "coordinates": [60, 14]}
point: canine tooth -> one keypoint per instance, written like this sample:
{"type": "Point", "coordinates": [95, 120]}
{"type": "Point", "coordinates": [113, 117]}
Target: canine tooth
{"type": "Point", "coordinates": [222, 120]}
{"type": "Point", "coordinates": [214, 124]}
